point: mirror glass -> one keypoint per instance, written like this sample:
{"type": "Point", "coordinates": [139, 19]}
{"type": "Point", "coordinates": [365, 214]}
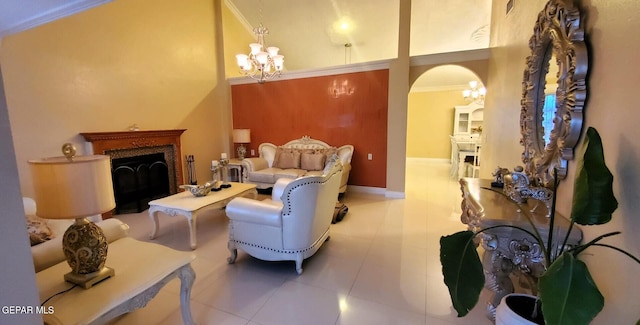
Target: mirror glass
{"type": "Point", "coordinates": [554, 92]}
{"type": "Point", "coordinates": [549, 108]}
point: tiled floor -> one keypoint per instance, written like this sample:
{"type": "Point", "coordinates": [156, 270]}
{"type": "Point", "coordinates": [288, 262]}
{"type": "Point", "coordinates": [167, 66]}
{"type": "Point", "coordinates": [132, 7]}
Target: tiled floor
{"type": "Point", "coordinates": [381, 265]}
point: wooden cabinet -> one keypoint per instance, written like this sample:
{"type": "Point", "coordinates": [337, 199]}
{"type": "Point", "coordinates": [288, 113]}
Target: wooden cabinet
{"type": "Point", "coordinates": [468, 119]}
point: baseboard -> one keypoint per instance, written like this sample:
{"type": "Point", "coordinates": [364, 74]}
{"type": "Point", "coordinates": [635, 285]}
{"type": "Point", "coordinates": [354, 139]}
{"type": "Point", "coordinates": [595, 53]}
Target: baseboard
{"type": "Point", "coordinates": [366, 189]}
{"type": "Point", "coordinates": [375, 190]}
{"type": "Point", "coordinates": [394, 194]}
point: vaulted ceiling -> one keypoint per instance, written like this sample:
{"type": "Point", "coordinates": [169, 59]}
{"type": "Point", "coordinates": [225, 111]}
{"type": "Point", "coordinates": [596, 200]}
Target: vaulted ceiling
{"type": "Point", "coordinates": [313, 34]}
{"type": "Point", "coordinates": [321, 33]}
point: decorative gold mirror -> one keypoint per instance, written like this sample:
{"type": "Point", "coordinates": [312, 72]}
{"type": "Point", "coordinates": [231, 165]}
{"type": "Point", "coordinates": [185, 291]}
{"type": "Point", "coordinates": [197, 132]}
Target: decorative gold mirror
{"type": "Point", "coordinates": [553, 92]}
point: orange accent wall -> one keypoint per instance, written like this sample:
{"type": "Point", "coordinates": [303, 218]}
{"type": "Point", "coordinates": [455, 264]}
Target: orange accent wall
{"type": "Point", "coordinates": [339, 109]}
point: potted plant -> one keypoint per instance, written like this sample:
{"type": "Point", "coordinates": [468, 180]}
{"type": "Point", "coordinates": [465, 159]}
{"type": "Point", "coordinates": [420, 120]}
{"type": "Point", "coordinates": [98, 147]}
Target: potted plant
{"type": "Point", "coordinates": [566, 291]}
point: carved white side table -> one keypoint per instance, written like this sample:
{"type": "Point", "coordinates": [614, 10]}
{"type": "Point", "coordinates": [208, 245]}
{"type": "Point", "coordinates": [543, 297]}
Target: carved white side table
{"type": "Point", "coordinates": [141, 270]}
{"type": "Point", "coordinates": [235, 169]}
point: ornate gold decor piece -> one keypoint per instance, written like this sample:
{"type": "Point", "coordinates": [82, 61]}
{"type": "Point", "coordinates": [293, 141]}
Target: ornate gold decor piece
{"type": "Point", "coordinates": [143, 142]}
{"type": "Point", "coordinates": [305, 139]}
{"type": "Point", "coordinates": [517, 186]}
{"type": "Point", "coordinates": [558, 35]}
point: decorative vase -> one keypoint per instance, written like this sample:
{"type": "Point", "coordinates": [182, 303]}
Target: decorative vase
{"type": "Point", "coordinates": [517, 309]}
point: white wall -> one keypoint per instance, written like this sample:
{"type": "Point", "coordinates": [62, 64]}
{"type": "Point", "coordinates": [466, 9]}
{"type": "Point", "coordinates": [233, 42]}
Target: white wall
{"type": "Point", "coordinates": [17, 285]}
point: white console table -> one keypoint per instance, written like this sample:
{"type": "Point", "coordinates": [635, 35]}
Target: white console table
{"type": "Point", "coordinates": [141, 270]}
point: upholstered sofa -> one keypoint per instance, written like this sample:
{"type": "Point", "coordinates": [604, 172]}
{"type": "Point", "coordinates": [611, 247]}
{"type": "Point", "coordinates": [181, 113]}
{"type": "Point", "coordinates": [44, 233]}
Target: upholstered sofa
{"type": "Point", "coordinates": [296, 158]}
{"type": "Point", "coordinates": [291, 225]}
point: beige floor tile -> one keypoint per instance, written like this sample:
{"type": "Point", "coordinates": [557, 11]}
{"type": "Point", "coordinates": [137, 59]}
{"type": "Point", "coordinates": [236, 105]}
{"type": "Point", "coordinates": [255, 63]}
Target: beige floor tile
{"type": "Point", "coordinates": [381, 265]}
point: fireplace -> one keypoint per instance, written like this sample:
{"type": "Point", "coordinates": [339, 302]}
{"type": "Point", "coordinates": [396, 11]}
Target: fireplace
{"type": "Point", "coordinates": [145, 165]}
{"type": "Point", "coordinates": [138, 180]}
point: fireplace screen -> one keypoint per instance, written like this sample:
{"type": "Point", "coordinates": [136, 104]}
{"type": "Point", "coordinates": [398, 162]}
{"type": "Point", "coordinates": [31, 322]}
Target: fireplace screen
{"type": "Point", "coordinates": [138, 180]}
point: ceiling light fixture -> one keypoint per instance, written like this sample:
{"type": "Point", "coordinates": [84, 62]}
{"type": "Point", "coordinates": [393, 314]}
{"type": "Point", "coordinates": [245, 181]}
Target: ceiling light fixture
{"type": "Point", "coordinates": [262, 63]}
{"type": "Point", "coordinates": [475, 94]}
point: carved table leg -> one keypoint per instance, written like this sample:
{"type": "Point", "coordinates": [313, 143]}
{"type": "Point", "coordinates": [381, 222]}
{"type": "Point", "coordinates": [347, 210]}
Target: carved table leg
{"type": "Point", "coordinates": [496, 272]}
{"type": "Point", "coordinates": [153, 214]}
{"type": "Point", "coordinates": [191, 219]}
{"type": "Point", "coordinates": [187, 277]}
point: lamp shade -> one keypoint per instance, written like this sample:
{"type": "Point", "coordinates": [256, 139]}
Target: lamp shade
{"type": "Point", "coordinates": [241, 135]}
{"type": "Point", "coordinates": [72, 188]}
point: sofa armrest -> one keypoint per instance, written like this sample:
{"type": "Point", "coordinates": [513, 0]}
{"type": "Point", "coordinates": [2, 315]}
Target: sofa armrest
{"type": "Point", "coordinates": [345, 153]}
{"type": "Point", "coordinates": [265, 212]}
{"type": "Point", "coordinates": [50, 252]}
{"type": "Point", "coordinates": [114, 229]}
{"type": "Point", "coordinates": [255, 163]}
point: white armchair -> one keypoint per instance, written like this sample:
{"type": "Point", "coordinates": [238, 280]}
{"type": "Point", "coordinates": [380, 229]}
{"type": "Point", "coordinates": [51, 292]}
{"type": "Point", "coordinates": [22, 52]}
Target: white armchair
{"type": "Point", "coordinates": [292, 224]}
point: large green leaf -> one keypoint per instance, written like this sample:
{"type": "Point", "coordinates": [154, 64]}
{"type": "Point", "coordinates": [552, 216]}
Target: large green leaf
{"type": "Point", "coordinates": [462, 270]}
{"type": "Point", "coordinates": [568, 293]}
{"type": "Point", "coordinates": [593, 199]}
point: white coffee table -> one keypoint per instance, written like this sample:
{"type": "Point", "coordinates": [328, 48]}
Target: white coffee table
{"type": "Point", "coordinates": [189, 206]}
{"type": "Point", "coordinates": [141, 270]}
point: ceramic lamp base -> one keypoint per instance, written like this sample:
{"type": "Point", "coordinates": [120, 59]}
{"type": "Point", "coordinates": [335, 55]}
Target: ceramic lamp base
{"type": "Point", "coordinates": [85, 248]}
{"type": "Point", "coordinates": [242, 151]}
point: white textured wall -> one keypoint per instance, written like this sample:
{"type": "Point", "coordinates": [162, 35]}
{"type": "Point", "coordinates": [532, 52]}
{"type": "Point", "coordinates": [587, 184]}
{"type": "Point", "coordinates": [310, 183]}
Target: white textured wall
{"type": "Point", "coordinates": [17, 267]}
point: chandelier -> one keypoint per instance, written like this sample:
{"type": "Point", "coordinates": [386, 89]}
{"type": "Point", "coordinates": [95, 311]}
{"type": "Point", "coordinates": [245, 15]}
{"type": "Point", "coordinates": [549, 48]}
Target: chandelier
{"type": "Point", "coordinates": [475, 94]}
{"type": "Point", "coordinates": [263, 63]}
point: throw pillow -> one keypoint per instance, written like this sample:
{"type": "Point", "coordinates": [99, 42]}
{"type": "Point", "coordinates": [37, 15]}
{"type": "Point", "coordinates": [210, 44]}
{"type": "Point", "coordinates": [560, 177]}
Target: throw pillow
{"type": "Point", "coordinates": [312, 160]}
{"type": "Point", "coordinates": [331, 161]}
{"type": "Point", "coordinates": [328, 153]}
{"type": "Point", "coordinates": [39, 231]}
{"type": "Point", "coordinates": [287, 158]}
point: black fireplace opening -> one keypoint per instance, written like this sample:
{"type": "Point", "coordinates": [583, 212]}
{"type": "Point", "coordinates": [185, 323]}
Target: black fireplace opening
{"type": "Point", "coordinates": [138, 180]}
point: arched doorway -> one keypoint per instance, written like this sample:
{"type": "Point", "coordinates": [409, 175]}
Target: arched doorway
{"type": "Point", "coordinates": [431, 112]}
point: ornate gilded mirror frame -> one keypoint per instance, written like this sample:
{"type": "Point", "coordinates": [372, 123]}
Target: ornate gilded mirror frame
{"type": "Point", "coordinates": [558, 34]}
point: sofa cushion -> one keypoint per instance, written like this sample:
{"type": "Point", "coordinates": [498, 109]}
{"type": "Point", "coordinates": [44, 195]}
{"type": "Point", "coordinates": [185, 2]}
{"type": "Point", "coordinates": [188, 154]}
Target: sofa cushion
{"type": "Point", "coordinates": [314, 173]}
{"type": "Point", "coordinates": [327, 152]}
{"type": "Point", "coordinates": [292, 173]}
{"type": "Point", "coordinates": [264, 175]}
{"type": "Point", "coordinates": [287, 158]}
{"type": "Point", "coordinates": [312, 160]}
{"type": "Point", "coordinates": [331, 161]}
{"type": "Point", "coordinates": [38, 229]}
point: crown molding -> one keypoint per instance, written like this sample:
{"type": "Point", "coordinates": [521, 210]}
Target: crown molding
{"type": "Point", "coordinates": [45, 15]}
{"type": "Point", "coordinates": [243, 21]}
{"type": "Point", "coordinates": [299, 74]}
{"type": "Point", "coordinates": [450, 57]}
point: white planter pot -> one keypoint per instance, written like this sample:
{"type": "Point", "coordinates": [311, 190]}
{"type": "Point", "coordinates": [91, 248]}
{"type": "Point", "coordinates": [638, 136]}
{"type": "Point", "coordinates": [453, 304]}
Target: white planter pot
{"type": "Point", "coordinates": [513, 309]}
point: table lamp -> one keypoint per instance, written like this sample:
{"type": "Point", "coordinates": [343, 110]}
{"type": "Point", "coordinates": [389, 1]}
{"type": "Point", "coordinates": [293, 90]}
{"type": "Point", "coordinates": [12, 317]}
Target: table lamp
{"type": "Point", "coordinates": [241, 136]}
{"type": "Point", "coordinates": [73, 187]}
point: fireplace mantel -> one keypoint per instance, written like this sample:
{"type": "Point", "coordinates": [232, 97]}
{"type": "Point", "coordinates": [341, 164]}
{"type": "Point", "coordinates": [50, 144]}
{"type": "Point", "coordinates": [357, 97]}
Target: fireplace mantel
{"type": "Point", "coordinates": [105, 142]}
